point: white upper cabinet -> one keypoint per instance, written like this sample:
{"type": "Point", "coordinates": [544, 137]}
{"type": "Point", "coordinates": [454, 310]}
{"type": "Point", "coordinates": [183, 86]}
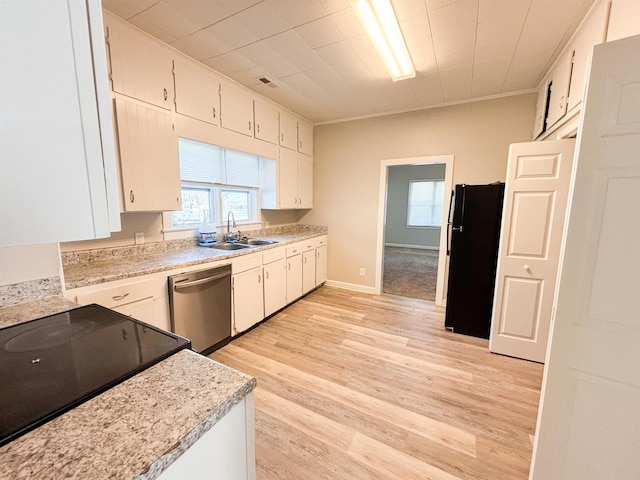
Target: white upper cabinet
{"type": "Point", "coordinates": [57, 181]}
{"type": "Point", "coordinates": [591, 33]}
{"type": "Point", "coordinates": [149, 165]}
{"type": "Point", "coordinates": [305, 181]}
{"type": "Point", "coordinates": [141, 68]}
{"type": "Point", "coordinates": [197, 91]}
{"type": "Point", "coordinates": [305, 138]}
{"type": "Point", "coordinates": [266, 121]}
{"type": "Point", "coordinates": [288, 131]}
{"type": "Point", "coordinates": [560, 81]}
{"type": "Point", "coordinates": [287, 179]}
{"type": "Point", "coordinates": [624, 20]}
{"type": "Point", "coordinates": [541, 109]}
{"type": "Point", "coordinates": [236, 109]}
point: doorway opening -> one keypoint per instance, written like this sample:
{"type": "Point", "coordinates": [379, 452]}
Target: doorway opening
{"type": "Point", "coordinates": [411, 244]}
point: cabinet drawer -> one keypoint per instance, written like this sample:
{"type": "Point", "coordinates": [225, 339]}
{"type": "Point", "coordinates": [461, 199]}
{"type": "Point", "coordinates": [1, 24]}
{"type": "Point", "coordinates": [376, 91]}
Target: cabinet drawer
{"type": "Point", "coordinates": [294, 249]}
{"type": "Point", "coordinates": [246, 263]}
{"type": "Point", "coordinates": [273, 255]}
{"type": "Point", "coordinates": [308, 245]}
{"type": "Point", "coordinates": [320, 241]}
{"type": "Point", "coordinates": [121, 295]}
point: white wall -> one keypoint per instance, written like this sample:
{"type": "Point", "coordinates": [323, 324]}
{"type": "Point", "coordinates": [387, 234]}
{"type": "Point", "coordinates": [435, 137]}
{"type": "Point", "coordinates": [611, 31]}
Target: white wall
{"type": "Point", "coordinates": [347, 160]}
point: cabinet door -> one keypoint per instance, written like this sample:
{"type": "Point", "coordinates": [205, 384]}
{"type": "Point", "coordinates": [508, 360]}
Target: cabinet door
{"type": "Point", "coordinates": [305, 138]}
{"type": "Point", "coordinates": [321, 264]}
{"type": "Point", "coordinates": [53, 164]}
{"type": "Point", "coordinates": [248, 301]}
{"type": "Point", "coordinates": [541, 109]}
{"type": "Point", "coordinates": [275, 287]}
{"type": "Point", "coordinates": [266, 121]}
{"type": "Point", "coordinates": [140, 67]}
{"type": "Point", "coordinates": [287, 179]}
{"type": "Point", "coordinates": [288, 131]}
{"type": "Point", "coordinates": [197, 92]}
{"type": "Point", "coordinates": [561, 78]}
{"type": "Point", "coordinates": [143, 310]}
{"type": "Point", "coordinates": [149, 162]}
{"type": "Point", "coordinates": [308, 271]}
{"type": "Point", "coordinates": [294, 277]}
{"type": "Point", "coordinates": [236, 109]}
{"type": "Point", "coordinates": [305, 181]}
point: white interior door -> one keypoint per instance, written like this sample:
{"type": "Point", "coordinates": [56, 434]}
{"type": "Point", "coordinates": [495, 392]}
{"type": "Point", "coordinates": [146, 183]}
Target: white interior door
{"type": "Point", "coordinates": [589, 419]}
{"type": "Point", "coordinates": [537, 187]}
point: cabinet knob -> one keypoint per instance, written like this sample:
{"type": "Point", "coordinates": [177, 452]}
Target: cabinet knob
{"type": "Point", "coordinates": [300, 143]}
{"type": "Point", "coordinates": [249, 124]}
{"type": "Point", "coordinates": [259, 278]}
{"type": "Point", "coordinates": [166, 94]}
{"type": "Point", "coordinates": [214, 112]}
{"type": "Point", "coordinates": [258, 128]}
{"type": "Point", "coordinates": [132, 197]}
{"type": "Point", "coordinates": [527, 268]}
{"type": "Point", "coordinates": [282, 137]}
{"type": "Point", "coordinates": [266, 276]}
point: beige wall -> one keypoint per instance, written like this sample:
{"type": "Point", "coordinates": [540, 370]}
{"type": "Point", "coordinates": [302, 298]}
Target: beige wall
{"type": "Point", "coordinates": [347, 167]}
{"type": "Point", "coordinates": [29, 262]}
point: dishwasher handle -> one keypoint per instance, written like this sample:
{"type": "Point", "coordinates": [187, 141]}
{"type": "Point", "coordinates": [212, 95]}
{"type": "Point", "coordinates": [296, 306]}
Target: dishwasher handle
{"type": "Point", "coordinates": [193, 283]}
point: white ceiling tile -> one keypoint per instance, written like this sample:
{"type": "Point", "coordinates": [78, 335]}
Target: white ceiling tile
{"type": "Point", "coordinates": [353, 68]}
{"type": "Point", "coordinates": [249, 76]}
{"type": "Point", "coordinates": [232, 33]}
{"type": "Point", "coordinates": [453, 59]}
{"type": "Point", "coordinates": [329, 80]}
{"type": "Point", "coordinates": [166, 18]}
{"type": "Point", "coordinates": [417, 35]}
{"type": "Point", "coordinates": [202, 12]}
{"type": "Point", "coordinates": [280, 68]}
{"type": "Point", "coordinates": [234, 6]}
{"type": "Point", "coordinates": [259, 52]}
{"type": "Point", "coordinates": [456, 83]}
{"type": "Point", "coordinates": [152, 29]}
{"type": "Point", "coordinates": [522, 77]}
{"type": "Point", "coordinates": [337, 52]}
{"type": "Point", "coordinates": [368, 54]}
{"type": "Point", "coordinates": [348, 23]}
{"type": "Point", "coordinates": [127, 8]}
{"type": "Point", "coordinates": [229, 63]}
{"type": "Point", "coordinates": [453, 27]}
{"type": "Point", "coordinates": [494, 50]}
{"type": "Point", "coordinates": [332, 6]}
{"type": "Point", "coordinates": [508, 27]}
{"type": "Point", "coordinates": [496, 9]}
{"type": "Point", "coordinates": [408, 9]}
{"type": "Point", "coordinates": [320, 32]}
{"type": "Point", "coordinates": [436, 4]}
{"type": "Point", "coordinates": [200, 45]}
{"type": "Point", "coordinates": [297, 12]}
{"type": "Point", "coordinates": [307, 60]}
{"type": "Point", "coordinates": [262, 20]}
{"type": "Point", "coordinates": [488, 77]}
{"type": "Point", "coordinates": [426, 88]}
{"type": "Point", "coordinates": [287, 43]}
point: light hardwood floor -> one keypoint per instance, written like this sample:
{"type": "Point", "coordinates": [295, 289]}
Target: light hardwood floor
{"type": "Point", "coordinates": [357, 386]}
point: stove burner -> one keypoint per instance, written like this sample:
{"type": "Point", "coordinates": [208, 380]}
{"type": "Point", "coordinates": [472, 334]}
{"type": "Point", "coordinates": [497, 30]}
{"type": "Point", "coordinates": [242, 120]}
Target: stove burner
{"type": "Point", "coordinates": [48, 336]}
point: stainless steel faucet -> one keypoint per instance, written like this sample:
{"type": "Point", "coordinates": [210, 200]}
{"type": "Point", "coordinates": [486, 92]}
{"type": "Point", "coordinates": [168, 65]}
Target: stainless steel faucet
{"type": "Point", "coordinates": [229, 234]}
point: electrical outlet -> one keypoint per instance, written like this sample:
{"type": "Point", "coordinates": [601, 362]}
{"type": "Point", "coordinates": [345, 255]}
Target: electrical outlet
{"type": "Point", "coordinates": [362, 272]}
{"type": "Point", "coordinates": [139, 236]}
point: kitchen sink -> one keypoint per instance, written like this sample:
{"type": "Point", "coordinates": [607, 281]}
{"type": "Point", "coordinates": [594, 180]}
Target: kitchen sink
{"type": "Point", "coordinates": [257, 241]}
{"type": "Point", "coordinates": [230, 246]}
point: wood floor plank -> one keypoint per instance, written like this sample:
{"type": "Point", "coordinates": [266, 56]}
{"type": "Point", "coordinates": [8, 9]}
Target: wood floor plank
{"type": "Point", "coordinates": [356, 386]}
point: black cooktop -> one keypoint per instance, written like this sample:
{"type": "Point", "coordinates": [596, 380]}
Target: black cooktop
{"type": "Point", "coordinates": [52, 364]}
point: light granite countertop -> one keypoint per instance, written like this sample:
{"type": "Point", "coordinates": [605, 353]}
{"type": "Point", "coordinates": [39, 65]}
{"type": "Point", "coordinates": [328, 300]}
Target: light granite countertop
{"type": "Point", "coordinates": [134, 430]}
{"type": "Point", "coordinates": [121, 263]}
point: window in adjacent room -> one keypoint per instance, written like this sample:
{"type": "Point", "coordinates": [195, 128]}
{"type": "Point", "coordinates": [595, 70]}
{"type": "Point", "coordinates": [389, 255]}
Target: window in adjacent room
{"type": "Point", "coordinates": [215, 181]}
{"type": "Point", "coordinates": [425, 203]}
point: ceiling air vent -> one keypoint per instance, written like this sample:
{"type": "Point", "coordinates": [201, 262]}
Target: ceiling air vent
{"type": "Point", "coordinates": [268, 81]}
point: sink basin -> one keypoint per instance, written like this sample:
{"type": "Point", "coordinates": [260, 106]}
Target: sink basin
{"type": "Point", "coordinates": [230, 246]}
{"type": "Point", "coordinates": [257, 241]}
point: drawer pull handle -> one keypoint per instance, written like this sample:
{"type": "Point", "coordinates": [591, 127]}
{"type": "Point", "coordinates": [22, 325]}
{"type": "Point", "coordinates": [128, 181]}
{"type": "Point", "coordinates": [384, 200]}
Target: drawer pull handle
{"type": "Point", "coordinates": [117, 298]}
{"type": "Point", "coordinates": [166, 94]}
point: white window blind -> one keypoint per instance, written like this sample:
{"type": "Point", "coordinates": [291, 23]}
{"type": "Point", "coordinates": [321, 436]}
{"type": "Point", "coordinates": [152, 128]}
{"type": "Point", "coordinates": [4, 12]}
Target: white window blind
{"type": "Point", "coordinates": [243, 169]}
{"type": "Point", "coordinates": [200, 162]}
{"type": "Point", "coordinates": [425, 203]}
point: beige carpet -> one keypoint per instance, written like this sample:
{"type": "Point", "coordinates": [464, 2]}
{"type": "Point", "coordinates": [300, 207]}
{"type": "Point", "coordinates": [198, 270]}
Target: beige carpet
{"type": "Point", "coordinates": [410, 272]}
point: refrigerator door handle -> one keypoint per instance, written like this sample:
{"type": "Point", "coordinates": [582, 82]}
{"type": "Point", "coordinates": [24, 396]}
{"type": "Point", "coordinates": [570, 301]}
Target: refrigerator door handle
{"type": "Point", "coordinates": [450, 222]}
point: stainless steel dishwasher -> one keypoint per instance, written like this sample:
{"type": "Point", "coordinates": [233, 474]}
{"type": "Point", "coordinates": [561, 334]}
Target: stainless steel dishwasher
{"type": "Point", "coordinates": [200, 304]}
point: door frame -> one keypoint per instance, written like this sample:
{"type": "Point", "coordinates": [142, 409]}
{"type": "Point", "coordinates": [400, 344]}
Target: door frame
{"type": "Point", "coordinates": [447, 160]}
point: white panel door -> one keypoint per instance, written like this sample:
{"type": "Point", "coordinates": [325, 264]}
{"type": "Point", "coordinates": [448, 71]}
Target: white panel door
{"type": "Point", "coordinates": [537, 187]}
{"type": "Point", "coordinates": [236, 109]}
{"type": "Point", "coordinates": [294, 277]}
{"type": "Point", "coordinates": [287, 179]}
{"type": "Point", "coordinates": [248, 299]}
{"type": "Point", "coordinates": [197, 92]}
{"type": "Point", "coordinates": [589, 419]}
{"type": "Point", "coordinates": [275, 286]}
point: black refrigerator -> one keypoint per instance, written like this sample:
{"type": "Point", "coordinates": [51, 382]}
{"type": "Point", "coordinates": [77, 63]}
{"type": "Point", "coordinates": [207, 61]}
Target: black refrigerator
{"type": "Point", "coordinates": [473, 232]}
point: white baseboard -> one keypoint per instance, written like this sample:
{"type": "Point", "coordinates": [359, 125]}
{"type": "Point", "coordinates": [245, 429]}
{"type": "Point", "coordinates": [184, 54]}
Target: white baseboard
{"type": "Point", "coordinates": [351, 286]}
{"type": "Point", "coordinates": [401, 245]}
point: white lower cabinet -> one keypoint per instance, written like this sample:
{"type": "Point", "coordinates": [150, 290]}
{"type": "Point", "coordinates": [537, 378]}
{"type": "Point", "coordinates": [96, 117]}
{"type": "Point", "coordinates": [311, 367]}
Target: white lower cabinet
{"type": "Point", "coordinates": [275, 286]}
{"type": "Point", "coordinates": [294, 272]}
{"type": "Point", "coordinates": [308, 265]}
{"type": "Point", "coordinates": [247, 293]}
{"type": "Point", "coordinates": [321, 263]}
{"type": "Point", "coordinates": [227, 451]}
{"type": "Point", "coordinates": [143, 299]}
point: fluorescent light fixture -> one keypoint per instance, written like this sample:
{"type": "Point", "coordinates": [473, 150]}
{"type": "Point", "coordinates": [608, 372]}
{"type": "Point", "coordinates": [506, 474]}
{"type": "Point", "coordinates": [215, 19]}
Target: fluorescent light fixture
{"type": "Point", "coordinates": [380, 22]}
